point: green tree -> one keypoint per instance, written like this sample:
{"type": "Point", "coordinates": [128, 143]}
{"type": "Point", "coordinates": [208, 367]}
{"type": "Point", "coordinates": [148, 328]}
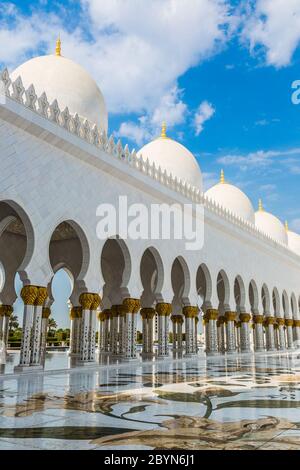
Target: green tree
{"type": "Point", "coordinates": [13, 324]}
{"type": "Point", "coordinates": [52, 325]}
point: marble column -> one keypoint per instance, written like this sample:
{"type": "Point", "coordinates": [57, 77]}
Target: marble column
{"type": "Point", "coordinates": [164, 311]}
{"type": "Point", "coordinates": [270, 337]}
{"type": "Point", "coordinates": [276, 336]}
{"type": "Point", "coordinates": [177, 322]}
{"type": "Point", "coordinates": [174, 331]}
{"type": "Point", "coordinates": [221, 334]}
{"type": "Point", "coordinates": [190, 314]}
{"type": "Point", "coordinates": [73, 332]}
{"type": "Point", "coordinates": [93, 328]}
{"type": "Point", "coordinates": [196, 319]}
{"type": "Point", "coordinates": [114, 330]}
{"type": "Point", "coordinates": [78, 313]}
{"type": "Point", "coordinates": [101, 318]}
{"type": "Point", "coordinates": [122, 329]}
{"type": "Point", "coordinates": [35, 358]}
{"type": "Point", "coordinates": [210, 318]}
{"type": "Point", "coordinates": [289, 332]}
{"type": "Point", "coordinates": [297, 333]}
{"type": "Point", "coordinates": [8, 310]}
{"type": "Point", "coordinates": [237, 334]}
{"type": "Point", "coordinates": [105, 332]}
{"type": "Point", "coordinates": [258, 333]}
{"type": "Point", "coordinates": [132, 307]}
{"type": "Point", "coordinates": [179, 333]}
{"type": "Point", "coordinates": [29, 295]}
{"type": "Point", "coordinates": [86, 301]}
{"type": "Point", "coordinates": [230, 336]}
{"type": "Point", "coordinates": [5, 314]}
{"type": "Point", "coordinates": [245, 332]}
{"type": "Point", "coordinates": [147, 315]}
{"type": "Point", "coordinates": [281, 334]}
{"type": "Point", "coordinates": [46, 312]}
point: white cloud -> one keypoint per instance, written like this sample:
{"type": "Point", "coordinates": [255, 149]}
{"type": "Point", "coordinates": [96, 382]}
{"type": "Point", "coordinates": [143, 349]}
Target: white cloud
{"type": "Point", "coordinates": [170, 109]}
{"type": "Point", "coordinates": [273, 27]}
{"type": "Point", "coordinates": [136, 50]}
{"type": "Point", "coordinates": [262, 158]}
{"type": "Point", "coordinates": [204, 113]}
{"type": "Point", "coordinates": [134, 132]}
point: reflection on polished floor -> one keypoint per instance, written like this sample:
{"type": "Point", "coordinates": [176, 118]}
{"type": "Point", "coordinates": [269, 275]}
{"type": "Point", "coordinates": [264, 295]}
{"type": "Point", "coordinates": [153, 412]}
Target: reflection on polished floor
{"type": "Point", "coordinates": [220, 403]}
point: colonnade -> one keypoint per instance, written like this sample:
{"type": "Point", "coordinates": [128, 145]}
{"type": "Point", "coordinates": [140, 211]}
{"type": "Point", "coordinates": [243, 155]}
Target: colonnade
{"type": "Point", "coordinates": [117, 329]}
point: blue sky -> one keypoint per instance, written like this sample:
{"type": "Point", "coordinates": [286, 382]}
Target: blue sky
{"type": "Point", "coordinates": [219, 72]}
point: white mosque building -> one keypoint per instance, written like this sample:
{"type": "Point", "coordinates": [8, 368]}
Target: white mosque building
{"type": "Point", "coordinates": [58, 164]}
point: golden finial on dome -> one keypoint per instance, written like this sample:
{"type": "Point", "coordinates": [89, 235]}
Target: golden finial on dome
{"type": "Point", "coordinates": [260, 206]}
{"type": "Point", "coordinates": [222, 177]}
{"type": "Point", "coordinates": [58, 47]}
{"type": "Point", "coordinates": [286, 226]}
{"type": "Point", "coordinates": [164, 130]}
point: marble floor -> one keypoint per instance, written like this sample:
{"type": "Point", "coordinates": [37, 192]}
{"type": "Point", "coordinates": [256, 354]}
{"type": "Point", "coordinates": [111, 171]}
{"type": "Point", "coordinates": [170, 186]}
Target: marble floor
{"type": "Point", "coordinates": [219, 403]}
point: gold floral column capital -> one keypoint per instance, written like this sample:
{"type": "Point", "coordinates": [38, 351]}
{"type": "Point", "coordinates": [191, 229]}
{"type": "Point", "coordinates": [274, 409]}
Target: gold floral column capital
{"type": "Point", "coordinates": [132, 305]}
{"type": "Point", "coordinates": [147, 313]}
{"type": "Point", "coordinates": [270, 321]}
{"type": "Point", "coordinates": [280, 321]}
{"type": "Point", "coordinates": [221, 321]}
{"type": "Point", "coordinates": [245, 317]}
{"type": "Point", "coordinates": [289, 322]}
{"type": "Point", "coordinates": [29, 294]}
{"type": "Point", "coordinates": [297, 323]}
{"type": "Point", "coordinates": [177, 319]}
{"type": "Point", "coordinates": [258, 319]}
{"type": "Point", "coordinates": [164, 309]}
{"type": "Point", "coordinates": [230, 316]}
{"type": "Point", "coordinates": [73, 314]}
{"type": "Point", "coordinates": [190, 312]}
{"type": "Point", "coordinates": [46, 312]}
{"type": "Point", "coordinates": [6, 310]}
{"type": "Point", "coordinates": [211, 314]}
{"type": "Point", "coordinates": [41, 296]}
{"type": "Point", "coordinates": [86, 300]}
{"type": "Point", "coordinates": [96, 303]}
{"type": "Point", "coordinates": [78, 312]}
{"type": "Point", "coordinates": [101, 317]}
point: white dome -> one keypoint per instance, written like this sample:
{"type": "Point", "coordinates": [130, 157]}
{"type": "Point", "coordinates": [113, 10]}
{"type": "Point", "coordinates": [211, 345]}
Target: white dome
{"type": "Point", "coordinates": [270, 225]}
{"type": "Point", "coordinates": [294, 242]}
{"type": "Point", "coordinates": [68, 83]}
{"type": "Point", "coordinates": [175, 159]}
{"type": "Point", "coordinates": [232, 198]}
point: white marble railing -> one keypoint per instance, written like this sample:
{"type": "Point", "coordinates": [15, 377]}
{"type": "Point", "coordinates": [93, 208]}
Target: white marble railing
{"type": "Point", "coordinates": [91, 134]}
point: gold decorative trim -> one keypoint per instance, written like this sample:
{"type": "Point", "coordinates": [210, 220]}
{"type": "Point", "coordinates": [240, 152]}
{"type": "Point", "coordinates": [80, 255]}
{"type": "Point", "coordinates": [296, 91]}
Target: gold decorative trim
{"type": "Point", "coordinates": [258, 319]}
{"type": "Point", "coordinates": [147, 313]}
{"type": "Point", "coordinates": [86, 300]}
{"type": "Point", "coordinates": [245, 317]}
{"type": "Point", "coordinates": [164, 309]}
{"type": "Point", "coordinates": [46, 312]}
{"type": "Point", "coordinates": [190, 312]}
{"type": "Point", "coordinates": [270, 321]}
{"type": "Point", "coordinates": [97, 301]}
{"type": "Point", "coordinates": [41, 297]}
{"type": "Point", "coordinates": [6, 310]}
{"type": "Point", "coordinates": [230, 316]}
{"type": "Point", "coordinates": [29, 294]}
{"type": "Point", "coordinates": [211, 314]}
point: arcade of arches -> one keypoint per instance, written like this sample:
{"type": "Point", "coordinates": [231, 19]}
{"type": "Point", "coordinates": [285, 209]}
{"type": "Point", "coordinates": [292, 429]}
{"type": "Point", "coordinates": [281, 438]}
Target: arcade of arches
{"type": "Point", "coordinates": [273, 322]}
